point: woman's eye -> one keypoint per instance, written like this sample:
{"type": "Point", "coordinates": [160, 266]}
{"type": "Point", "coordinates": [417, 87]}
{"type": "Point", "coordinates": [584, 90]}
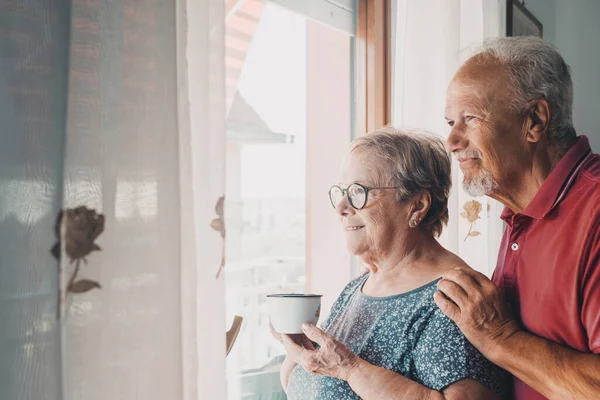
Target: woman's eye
{"type": "Point", "coordinates": [356, 191]}
{"type": "Point", "coordinates": [450, 123]}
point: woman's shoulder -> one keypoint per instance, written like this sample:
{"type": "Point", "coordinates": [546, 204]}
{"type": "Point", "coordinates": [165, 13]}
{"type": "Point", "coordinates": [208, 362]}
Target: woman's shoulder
{"type": "Point", "coordinates": [344, 299]}
{"type": "Point", "coordinates": [354, 285]}
{"type": "Point", "coordinates": [448, 260]}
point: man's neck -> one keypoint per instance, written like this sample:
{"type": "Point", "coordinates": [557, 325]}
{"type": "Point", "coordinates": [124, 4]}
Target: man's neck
{"type": "Point", "coordinates": [519, 190]}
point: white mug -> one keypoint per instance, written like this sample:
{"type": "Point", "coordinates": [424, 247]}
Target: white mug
{"type": "Point", "coordinates": [289, 311]}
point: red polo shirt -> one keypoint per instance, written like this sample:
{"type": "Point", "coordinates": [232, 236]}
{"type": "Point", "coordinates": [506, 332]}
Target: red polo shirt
{"type": "Point", "coordinates": [549, 259]}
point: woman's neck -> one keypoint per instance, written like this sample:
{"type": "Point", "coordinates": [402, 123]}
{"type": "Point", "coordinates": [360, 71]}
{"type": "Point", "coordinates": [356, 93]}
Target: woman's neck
{"type": "Point", "coordinates": [407, 252]}
{"type": "Point", "coordinates": [414, 264]}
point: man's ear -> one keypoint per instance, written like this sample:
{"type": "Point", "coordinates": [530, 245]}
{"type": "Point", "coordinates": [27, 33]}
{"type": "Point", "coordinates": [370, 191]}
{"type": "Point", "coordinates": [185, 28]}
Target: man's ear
{"type": "Point", "coordinates": [537, 121]}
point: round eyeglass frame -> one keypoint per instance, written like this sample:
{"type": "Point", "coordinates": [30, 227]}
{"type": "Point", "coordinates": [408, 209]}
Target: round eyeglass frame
{"type": "Point", "coordinates": [345, 193]}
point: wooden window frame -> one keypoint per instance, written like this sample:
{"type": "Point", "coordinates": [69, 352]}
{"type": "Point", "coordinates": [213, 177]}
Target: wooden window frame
{"type": "Point", "coordinates": [373, 65]}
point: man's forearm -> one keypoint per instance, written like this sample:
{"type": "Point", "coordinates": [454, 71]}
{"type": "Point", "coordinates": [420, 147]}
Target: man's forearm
{"type": "Point", "coordinates": [372, 382]}
{"type": "Point", "coordinates": [555, 371]}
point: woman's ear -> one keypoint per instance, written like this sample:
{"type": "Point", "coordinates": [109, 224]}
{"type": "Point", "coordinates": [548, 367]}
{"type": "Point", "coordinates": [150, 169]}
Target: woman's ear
{"type": "Point", "coordinates": [419, 209]}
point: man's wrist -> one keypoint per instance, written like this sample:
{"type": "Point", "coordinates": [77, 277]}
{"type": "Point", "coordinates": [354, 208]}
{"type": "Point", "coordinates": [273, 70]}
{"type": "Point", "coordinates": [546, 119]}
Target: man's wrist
{"type": "Point", "coordinates": [505, 344]}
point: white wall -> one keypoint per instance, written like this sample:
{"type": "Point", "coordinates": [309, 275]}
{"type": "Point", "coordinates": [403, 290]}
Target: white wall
{"type": "Point", "coordinates": [573, 26]}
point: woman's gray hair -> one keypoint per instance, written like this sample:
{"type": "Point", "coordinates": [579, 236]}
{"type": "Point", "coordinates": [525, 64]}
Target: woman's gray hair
{"type": "Point", "coordinates": [537, 71]}
{"type": "Point", "coordinates": [414, 161]}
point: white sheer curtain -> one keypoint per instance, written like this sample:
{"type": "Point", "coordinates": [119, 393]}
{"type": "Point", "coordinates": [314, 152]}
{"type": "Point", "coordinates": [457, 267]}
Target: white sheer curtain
{"type": "Point", "coordinates": [117, 106]}
{"type": "Point", "coordinates": [145, 146]}
{"type": "Point", "coordinates": [201, 73]}
{"type": "Point", "coordinates": [432, 38]}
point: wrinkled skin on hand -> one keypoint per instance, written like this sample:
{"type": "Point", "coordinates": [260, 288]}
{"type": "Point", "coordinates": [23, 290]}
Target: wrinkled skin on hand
{"type": "Point", "coordinates": [332, 358]}
{"type": "Point", "coordinates": [478, 308]}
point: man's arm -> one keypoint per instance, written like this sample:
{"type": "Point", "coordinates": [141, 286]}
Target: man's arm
{"type": "Point", "coordinates": [555, 371]}
{"type": "Point", "coordinates": [477, 306]}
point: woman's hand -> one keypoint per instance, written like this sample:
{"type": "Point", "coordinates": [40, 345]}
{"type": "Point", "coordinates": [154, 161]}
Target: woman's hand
{"type": "Point", "coordinates": [288, 364]}
{"type": "Point", "coordinates": [276, 335]}
{"type": "Point", "coordinates": [286, 370]}
{"type": "Point", "coordinates": [332, 359]}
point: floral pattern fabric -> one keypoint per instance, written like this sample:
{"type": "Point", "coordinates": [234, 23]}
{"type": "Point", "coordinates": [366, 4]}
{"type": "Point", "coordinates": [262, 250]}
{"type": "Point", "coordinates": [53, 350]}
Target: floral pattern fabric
{"type": "Point", "coordinates": [407, 334]}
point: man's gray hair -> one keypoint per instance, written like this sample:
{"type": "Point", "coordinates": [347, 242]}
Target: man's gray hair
{"type": "Point", "coordinates": [537, 71]}
{"type": "Point", "coordinates": [414, 161]}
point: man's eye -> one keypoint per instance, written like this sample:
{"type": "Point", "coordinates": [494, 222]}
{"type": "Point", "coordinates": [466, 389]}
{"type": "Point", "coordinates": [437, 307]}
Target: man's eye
{"type": "Point", "coordinates": [450, 123]}
{"type": "Point", "coordinates": [470, 117]}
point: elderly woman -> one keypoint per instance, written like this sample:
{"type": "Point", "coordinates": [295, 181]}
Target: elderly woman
{"type": "Point", "coordinates": [385, 337]}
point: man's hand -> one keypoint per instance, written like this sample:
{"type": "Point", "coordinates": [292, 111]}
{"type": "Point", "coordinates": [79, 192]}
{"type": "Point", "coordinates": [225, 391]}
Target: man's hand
{"type": "Point", "coordinates": [477, 306]}
{"type": "Point", "coordinates": [332, 359]}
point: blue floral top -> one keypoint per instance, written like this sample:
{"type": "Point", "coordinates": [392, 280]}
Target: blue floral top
{"type": "Point", "coordinates": [407, 334]}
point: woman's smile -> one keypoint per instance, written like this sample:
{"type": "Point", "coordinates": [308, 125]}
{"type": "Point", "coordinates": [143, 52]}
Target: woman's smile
{"type": "Point", "coordinates": [354, 228]}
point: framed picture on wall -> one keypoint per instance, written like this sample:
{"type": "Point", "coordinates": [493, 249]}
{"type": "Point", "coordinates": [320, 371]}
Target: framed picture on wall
{"type": "Point", "coordinates": [520, 21]}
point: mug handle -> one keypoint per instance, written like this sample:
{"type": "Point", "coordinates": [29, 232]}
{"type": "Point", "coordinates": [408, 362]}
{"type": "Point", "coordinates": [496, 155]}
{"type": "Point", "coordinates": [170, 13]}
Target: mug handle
{"type": "Point", "coordinates": [232, 333]}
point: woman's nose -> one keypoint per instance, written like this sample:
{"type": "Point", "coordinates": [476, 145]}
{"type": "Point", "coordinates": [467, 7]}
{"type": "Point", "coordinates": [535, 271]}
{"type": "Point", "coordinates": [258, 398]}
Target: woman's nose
{"type": "Point", "coordinates": [343, 207]}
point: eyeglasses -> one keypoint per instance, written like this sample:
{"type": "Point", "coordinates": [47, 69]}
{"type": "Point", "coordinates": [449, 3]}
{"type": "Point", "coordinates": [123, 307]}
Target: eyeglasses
{"type": "Point", "coordinates": [357, 194]}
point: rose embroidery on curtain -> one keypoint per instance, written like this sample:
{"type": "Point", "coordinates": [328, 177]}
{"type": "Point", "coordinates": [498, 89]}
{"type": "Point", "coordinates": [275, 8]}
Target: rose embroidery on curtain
{"type": "Point", "coordinates": [471, 213]}
{"type": "Point", "coordinates": [81, 227]}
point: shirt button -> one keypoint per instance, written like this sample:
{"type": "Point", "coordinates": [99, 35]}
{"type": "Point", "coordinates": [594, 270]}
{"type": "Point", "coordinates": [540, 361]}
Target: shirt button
{"type": "Point", "coordinates": [514, 247]}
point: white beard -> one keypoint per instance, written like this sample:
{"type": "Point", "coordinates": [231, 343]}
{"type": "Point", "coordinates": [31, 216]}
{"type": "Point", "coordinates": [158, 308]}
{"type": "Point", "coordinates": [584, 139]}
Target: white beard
{"type": "Point", "coordinates": [482, 184]}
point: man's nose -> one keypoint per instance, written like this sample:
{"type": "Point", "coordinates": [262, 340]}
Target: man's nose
{"type": "Point", "coordinates": [456, 140]}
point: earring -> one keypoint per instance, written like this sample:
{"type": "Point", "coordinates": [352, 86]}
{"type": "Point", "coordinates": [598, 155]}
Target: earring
{"type": "Point", "coordinates": [414, 222]}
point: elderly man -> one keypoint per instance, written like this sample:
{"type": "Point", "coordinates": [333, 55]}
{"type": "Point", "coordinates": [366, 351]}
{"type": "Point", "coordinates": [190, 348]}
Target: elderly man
{"type": "Point", "coordinates": [509, 108]}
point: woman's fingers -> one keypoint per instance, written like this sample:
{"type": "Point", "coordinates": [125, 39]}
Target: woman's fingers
{"type": "Point", "coordinates": [291, 347]}
{"type": "Point", "coordinates": [305, 357]}
{"type": "Point", "coordinates": [286, 370]}
{"type": "Point", "coordinates": [333, 358]}
{"type": "Point", "coordinates": [276, 335]}
{"type": "Point", "coordinates": [314, 333]}
{"type": "Point", "coordinates": [298, 338]}
{"type": "Point", "coordinates": [307, 343]}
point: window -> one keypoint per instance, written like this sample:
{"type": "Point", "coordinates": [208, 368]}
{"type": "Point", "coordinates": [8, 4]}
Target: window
{"type": "Point", "coordinates": [296, 93]}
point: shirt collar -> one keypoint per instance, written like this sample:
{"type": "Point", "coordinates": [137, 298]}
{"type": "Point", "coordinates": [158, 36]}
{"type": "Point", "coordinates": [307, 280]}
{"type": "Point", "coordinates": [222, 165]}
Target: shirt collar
{"type": "Point", "coordinates": [558, 182]}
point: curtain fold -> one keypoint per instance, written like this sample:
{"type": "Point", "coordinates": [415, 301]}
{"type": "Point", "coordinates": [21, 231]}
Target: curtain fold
{"type": "Point", "coordinates": [432, 39]}
{"type": "Point", "coordinates": [202, 184]}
